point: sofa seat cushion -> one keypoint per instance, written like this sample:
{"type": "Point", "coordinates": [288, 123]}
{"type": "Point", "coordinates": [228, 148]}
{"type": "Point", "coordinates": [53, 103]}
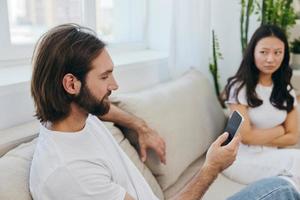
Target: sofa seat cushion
{"type": "Point", "coordinates": [219, 190]}
{"type": "Point", "coordinates": [186, 113]}
{"type": "Point", "coordinates": [15, 168]}
{"type": "Point", "coordinates": [222, 188]}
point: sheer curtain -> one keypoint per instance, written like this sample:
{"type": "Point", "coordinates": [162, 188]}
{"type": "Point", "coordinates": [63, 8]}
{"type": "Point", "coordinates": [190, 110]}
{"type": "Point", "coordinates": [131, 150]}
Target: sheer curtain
{"type": "Point", "coordinates": [190, 36]}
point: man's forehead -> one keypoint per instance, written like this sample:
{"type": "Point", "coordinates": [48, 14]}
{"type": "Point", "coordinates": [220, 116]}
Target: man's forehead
{"type": "Point", "coordinates": [103, 63]}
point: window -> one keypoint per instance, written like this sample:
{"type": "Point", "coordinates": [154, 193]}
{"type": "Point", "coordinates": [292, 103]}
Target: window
{"type": "Point", "coordinates": [117, 22]}
{"type": "Point", "coordinates": [121, 21]}
{"type": "Point", "coordinates": [29, 19]}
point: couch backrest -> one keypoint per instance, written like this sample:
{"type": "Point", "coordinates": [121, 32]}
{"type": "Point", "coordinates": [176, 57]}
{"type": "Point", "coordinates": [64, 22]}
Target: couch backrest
{"type": "Point", "coordinates": [14, 136]}
{"type": "Point", "coordinates": [186, 113]}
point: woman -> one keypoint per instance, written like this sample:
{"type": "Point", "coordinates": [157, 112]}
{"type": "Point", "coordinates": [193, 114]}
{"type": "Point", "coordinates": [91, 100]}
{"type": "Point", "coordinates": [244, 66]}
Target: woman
{"type": "Point", "coordinates": [261, 91]}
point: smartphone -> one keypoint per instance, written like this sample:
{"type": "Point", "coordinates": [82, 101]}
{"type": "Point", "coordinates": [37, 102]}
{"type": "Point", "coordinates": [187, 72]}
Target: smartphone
{"type": "Point", "coordinates": [233, 125]}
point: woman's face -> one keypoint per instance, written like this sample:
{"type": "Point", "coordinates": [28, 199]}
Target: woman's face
{"type": "Point", "coordinates": [268, 54]}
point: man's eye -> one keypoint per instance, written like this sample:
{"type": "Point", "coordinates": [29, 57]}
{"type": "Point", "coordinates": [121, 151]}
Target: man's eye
{"type": "Point", "coordinates": [104, 77]}
{"type": "Point", "coordinates": [263, 52]}
{"type": "Point", "coordinates": [278, 52]}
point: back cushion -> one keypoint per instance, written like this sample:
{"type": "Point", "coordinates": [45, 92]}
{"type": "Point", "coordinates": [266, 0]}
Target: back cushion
{"type": "Point", "coordinates": [14, 172]}
{"type": "Point", "coordinates": [15, 167]}
{"type": "Point", "coordinates": [186, 113]}
{"type": "Point", "coordinates": [134, 156]}
{"type": "Point", "coordinates": [12, 137]}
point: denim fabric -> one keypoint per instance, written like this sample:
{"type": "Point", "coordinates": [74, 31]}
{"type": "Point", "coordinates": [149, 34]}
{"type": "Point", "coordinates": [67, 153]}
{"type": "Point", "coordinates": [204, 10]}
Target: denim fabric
{"type": "Point", "coordinates": [274, 188]}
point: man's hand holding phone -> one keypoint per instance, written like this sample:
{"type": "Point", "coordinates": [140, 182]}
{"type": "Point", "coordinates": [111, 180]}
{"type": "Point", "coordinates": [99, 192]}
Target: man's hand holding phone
{"type": "Point", "coordinates": [222, 153]}
{"type": "Point", "coordinates": [220, 157]}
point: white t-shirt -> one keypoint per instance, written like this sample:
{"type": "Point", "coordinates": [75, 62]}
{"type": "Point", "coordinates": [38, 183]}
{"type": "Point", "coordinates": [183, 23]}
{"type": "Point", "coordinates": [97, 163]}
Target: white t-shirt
{"type": "Point", "coordinates": [265, 115]}
{"type": "Point", "coordinates": [84, 165]}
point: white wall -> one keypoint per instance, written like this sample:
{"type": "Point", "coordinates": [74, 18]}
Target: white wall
{"type": "Point", "coordinates": [189, 36]}
{"type": "Point", "coordinates": [226, 23]}
{"type": "Point", "coordinates": [16, 104]}
{"type": "Point", "coordinates": [295, 31]}
{"type": "Point", "coordinates": [158, 32]}
{"type": "Point", "coordinates": [133, 71]}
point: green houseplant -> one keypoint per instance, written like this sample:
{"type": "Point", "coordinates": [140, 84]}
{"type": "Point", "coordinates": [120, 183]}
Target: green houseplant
{"type": "Point", "coordinates": [295, 50]}
{"type": "Point", "coordinates": [277, 12]}
{"type": "Point", "coordinates": [295, 46]}
{"type": "Point", "coordinates": [213, 65]}
{"type": "Point", "coordinates": [247, 9]}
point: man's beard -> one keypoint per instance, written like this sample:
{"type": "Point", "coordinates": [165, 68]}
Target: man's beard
{"type": "Point", "coordinates": [87, 101]}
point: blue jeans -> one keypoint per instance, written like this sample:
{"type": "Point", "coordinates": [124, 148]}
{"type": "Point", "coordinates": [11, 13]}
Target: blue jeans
{"type": "Point", "coordinates": [268, 189]}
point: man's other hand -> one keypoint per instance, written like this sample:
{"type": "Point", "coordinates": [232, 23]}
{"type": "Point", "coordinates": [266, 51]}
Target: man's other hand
{"type": "Point", "coordinates": [149, 139]}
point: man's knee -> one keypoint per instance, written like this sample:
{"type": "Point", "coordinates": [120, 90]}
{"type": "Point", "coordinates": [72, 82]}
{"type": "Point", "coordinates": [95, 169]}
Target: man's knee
{"type": "Point", "coordinates": [274, 188]}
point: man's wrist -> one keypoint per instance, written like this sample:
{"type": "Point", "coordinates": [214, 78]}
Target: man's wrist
{"type": "Point", "coordinates": [211, 169]}
{"type": "Point", "coordinates": [139, 126]}
{"type": "Point", "coordinates": [136, 124]}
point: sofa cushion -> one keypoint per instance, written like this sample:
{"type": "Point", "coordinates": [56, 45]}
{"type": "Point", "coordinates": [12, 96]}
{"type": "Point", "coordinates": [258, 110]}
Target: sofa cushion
{"type": "Point", "coordinates": [222, 187]}
{"type": "Point", "coordinates": [133, 155]}
{"type": "Point", "coordinates": [185, 112]}
{"type": "Point", "coordinates": [15, 167]}
{"type": "Point", "coordinates": [12, 137]}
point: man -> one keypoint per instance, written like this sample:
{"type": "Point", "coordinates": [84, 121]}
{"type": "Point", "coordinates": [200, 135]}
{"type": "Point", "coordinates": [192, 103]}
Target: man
{"type": "Point", "coordinates": [76, 157]}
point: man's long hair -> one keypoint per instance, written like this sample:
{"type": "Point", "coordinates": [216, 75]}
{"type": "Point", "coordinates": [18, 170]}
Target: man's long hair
{"type": "Point", "coordinates": [68, 48]}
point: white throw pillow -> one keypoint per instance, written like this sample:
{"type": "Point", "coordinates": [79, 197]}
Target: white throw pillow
{"type": "Point", "coordinates": [186, 113]}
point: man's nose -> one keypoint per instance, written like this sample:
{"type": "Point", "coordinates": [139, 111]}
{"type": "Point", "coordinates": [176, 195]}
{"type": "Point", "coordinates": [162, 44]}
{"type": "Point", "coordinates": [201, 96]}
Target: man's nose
{"type": "Point", "coordinates": [113, 85]}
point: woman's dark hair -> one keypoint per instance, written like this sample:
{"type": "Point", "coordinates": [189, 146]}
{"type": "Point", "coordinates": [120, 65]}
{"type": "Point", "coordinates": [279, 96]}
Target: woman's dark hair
{"type": "Point", "coordinates": [248, 74]}
{"type": "Point", "coordinates": [68, 48]}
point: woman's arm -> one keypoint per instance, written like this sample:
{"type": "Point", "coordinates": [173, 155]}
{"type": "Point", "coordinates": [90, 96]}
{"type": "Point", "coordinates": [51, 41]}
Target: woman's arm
{"type": "Point", "coordinates": [291, 135]}
{"type": "Point", "coordinates": [254, 136]}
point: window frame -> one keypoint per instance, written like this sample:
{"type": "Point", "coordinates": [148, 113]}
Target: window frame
{"type": "Point", "coordinates": [12, 54]}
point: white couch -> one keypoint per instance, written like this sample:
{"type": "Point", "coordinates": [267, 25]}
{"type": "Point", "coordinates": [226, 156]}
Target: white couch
{"type": "Point", "coordinates": [184, 111]}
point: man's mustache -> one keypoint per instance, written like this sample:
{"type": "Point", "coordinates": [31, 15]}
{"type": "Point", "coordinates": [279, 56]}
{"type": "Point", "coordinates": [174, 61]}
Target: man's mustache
{"type": "Point", "coordinates": [108, 94]}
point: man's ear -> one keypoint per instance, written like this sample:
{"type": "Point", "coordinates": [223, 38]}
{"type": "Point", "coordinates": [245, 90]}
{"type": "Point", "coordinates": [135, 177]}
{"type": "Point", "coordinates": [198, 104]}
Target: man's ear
{"type": "Point", "coordinates": [71, 84]}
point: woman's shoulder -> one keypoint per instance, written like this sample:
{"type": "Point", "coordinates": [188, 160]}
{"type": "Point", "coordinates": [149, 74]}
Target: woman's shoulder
{"type": "Point", "coordinates": [237, 93]}
{"type": "Point", "coordinates": [293, 93]}
{"type": "Point", "coordinates": [235, 84]}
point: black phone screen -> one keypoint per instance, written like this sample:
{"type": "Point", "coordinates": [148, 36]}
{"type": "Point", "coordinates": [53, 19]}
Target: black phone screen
{"type": "Point", "coordinates": [232, 126]}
